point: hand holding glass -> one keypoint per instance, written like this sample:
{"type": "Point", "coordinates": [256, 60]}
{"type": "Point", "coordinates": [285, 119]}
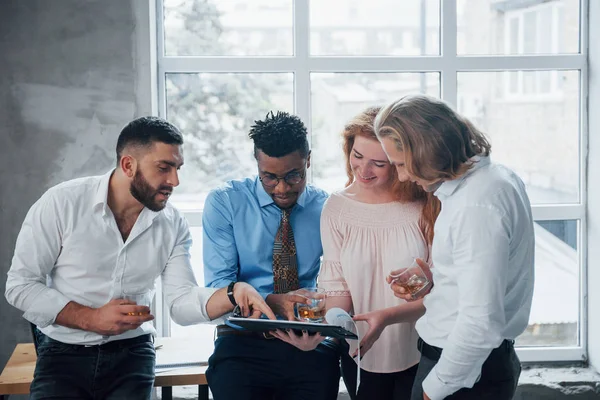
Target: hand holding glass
{"type": "Point", "coordinates": [413, 280]}
{"type": "Point", "coordinates": [139, 298]}
{"type": "Point", "coordinates": [314, 311]}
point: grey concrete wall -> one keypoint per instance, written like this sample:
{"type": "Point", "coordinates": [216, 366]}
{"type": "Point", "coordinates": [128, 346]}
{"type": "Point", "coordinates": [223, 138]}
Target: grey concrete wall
{"type": "Point", "coordinates": [72, 74]}
{"type": "Point", "coordinates": [593, 201]}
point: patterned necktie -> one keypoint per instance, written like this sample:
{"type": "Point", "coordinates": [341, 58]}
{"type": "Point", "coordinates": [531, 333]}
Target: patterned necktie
{"type": "Point", "coordinates": [285, 267]}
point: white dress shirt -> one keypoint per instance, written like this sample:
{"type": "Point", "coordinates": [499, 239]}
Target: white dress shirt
{"type": "Point", "coordinates": [483, 258]}
{"type": "Point", "coordinates": [70, 249]}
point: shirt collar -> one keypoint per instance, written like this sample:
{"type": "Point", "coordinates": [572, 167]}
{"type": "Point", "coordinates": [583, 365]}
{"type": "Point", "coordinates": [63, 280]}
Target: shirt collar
{"type": "Point", "coordinates": [302, 198]}
{"type": "Point", "coordinates": [449, 187]}
{"type": "Point", "coordinates": [101, 197]}
{"type": "Point", "coordinates": [264, 199]}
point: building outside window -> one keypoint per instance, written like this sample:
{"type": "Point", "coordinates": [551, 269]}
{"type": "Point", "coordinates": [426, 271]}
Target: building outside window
{"type": "Point", "coordinates": [534, 30]}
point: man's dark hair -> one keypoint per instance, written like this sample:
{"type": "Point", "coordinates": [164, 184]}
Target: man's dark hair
{"type": "Point", "coordinates": [279, 135]}
{"type": "Point", "coordinates": [145, 131]}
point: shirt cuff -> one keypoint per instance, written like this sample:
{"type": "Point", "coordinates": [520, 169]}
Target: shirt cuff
{"type": "Point", "coordinates": [191, 308]}
{"type": "Point", "coordinates": [46, 306]}
{"type": "Point", "coordinates": [204, 294]}
{"type": "Point", "coordinates": [435, 388]}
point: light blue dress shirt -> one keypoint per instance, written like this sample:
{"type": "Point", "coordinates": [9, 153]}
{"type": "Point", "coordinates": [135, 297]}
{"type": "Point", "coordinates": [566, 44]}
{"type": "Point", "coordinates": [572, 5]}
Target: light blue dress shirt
{"type": "Point", "coordinates": [239, 223]}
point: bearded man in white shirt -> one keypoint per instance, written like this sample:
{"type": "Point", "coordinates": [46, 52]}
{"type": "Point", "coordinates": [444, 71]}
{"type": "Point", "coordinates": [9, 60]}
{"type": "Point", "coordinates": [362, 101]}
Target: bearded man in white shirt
{"type": "Point", "coordinates": [482, 252]}
{"type": "Point", "coordinates": [86, 263]}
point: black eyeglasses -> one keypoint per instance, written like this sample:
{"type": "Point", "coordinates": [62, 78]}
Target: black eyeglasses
{"type": "Point", "coordinates": [293, 178]}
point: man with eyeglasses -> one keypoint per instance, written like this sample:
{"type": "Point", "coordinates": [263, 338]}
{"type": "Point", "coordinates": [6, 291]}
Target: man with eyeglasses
{"type": "Point", "coordinates": [265, 231]}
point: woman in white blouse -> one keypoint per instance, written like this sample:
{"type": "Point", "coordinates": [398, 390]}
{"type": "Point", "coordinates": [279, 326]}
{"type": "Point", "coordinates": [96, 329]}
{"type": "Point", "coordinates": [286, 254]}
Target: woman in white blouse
{"type": "Point", "coordinates": [373, 226]}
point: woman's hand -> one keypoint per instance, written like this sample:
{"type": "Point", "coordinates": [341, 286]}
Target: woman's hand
{"type": "Point", "coordinates": [404, 294]}
{"type": "Point", "coordinates": [377, 323]}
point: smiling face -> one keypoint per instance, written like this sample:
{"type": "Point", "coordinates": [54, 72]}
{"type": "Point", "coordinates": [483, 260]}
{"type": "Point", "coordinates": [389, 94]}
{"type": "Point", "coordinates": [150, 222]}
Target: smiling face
{"type": "Point", "coordinates": [156, 175]}
{"type": "Point", "coordinates": [398, 160]}
{"type": "Point", "coordinates": [369, 164]}
{"type": "Point", "coordinates": [292, 165]}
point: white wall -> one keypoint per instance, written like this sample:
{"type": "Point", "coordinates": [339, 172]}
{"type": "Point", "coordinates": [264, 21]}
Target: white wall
{"type": "Point", "coordinates": [73, 74]}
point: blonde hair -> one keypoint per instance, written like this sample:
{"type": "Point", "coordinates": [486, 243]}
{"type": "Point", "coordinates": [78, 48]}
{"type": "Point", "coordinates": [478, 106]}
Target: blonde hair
{"type": "Point", "coordinates": [362, 125]}
{"type": "Point", "coordinates": [437, 142]}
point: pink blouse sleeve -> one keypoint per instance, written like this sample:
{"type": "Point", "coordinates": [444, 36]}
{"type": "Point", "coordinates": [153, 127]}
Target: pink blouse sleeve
{"type": "Point", "coordinates": [331, 276]}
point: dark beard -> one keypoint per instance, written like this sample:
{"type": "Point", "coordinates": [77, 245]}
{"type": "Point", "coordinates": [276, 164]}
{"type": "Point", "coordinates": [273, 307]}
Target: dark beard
{"type": "Point", "coordinates": [141, 190]}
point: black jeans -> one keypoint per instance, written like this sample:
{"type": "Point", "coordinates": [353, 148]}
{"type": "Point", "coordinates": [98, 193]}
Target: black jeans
{"type": "Point", "coordinates": [250, 368]}
{"type": "Point", "coordinates": [122, 369]}
{"type": "Point", "coordinates": [380, 386]}
{"type": "Point", "coordinates": [498, 380]}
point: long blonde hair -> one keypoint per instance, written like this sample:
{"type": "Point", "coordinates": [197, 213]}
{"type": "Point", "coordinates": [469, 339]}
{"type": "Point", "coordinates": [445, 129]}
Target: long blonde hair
{"type": "Point", "coordinates": [362, 125]}
{"type": "Point", "coordinates": [437, 142]}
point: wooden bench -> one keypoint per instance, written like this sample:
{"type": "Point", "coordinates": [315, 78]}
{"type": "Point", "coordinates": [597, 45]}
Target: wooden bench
{"type": "Point", "coordinates": [18, 372]}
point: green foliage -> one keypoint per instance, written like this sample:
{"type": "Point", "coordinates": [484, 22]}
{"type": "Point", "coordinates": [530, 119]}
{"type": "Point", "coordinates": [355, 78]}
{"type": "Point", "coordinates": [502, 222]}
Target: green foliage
{"type": "Point", "coordinates": [213, 110]}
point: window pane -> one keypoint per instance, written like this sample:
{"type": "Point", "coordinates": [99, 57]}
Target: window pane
{"type": "Point", "coordinates": [554, 315]}
{"type": "Point", "coordinates": [546, 24]}
{"type": "Point", "coordinates": [228, 27]}
{"type": "Point", "coordinates": [514, 35]}
{"type": "Point", "coordinates": [374, 28]}
{"type": "Point", "coordinates": [489, 27]}
{"type": "Point", "coordinates": [545, 81]}
{"type": "Point", "coordinates": [529, 79]}
{"type": "Point", "coordinates": [215, 111]}
{"type": "Point", "coordinates": [530, 32]}
{"type": "Point", "coordinates": [338, 97]}
{"type": "Point", "coordinates": [533, 130]}
{"type": "Point", "coordinates": [514, 84]}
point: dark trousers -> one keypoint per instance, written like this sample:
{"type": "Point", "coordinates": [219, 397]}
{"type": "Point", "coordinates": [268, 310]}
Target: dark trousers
{"type": "Point", "coordinates": [499, 374]}
{"type": "Point", "coordinates": [251, 368]}
{"type": "Point", "coordinates": [122, 369]}
{"type": "Point", "coordinates": [381, 386]}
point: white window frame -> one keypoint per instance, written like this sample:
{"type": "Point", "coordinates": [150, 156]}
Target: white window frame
{"type": "Point", "coordinates": [448, 64]}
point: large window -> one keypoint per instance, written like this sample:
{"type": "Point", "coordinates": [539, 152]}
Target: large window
{"type": "Point", "coordinates": [517, 69]}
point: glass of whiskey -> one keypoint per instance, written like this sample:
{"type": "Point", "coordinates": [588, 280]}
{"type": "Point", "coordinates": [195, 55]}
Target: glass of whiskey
{"type": "Point", "coordinates": [412, 279]}
{"type": "Point", "coordinates": [139, 297]}
{"type": "Point", "coordinates": [314, 311]}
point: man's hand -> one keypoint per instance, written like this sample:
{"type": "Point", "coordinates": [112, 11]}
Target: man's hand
{"type": "Point", "coordinates": [305, 342]}
{"type": "Point", "coordinates": [377, 324]}
{"type": "Point", "coordinates": [283, 304]}
{"type": "Point", "coordinates": [425, 397]}
{"type": "Point", "coordinates": [400, 292]}
{"type": "Point", "coordinates": [116, 317]}
{"type": "Point", "coordinates": [250, 301]}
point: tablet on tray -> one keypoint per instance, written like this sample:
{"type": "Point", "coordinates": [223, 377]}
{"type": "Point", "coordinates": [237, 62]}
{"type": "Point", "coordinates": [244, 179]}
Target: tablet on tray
{"type": "Point", "coordinates": [265, 325]}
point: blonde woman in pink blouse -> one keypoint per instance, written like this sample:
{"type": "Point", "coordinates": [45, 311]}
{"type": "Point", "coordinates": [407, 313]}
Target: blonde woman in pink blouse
{"type": "Point", "coordinates": [373, 226]}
